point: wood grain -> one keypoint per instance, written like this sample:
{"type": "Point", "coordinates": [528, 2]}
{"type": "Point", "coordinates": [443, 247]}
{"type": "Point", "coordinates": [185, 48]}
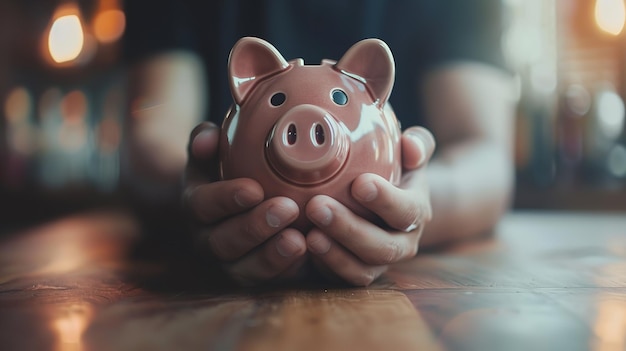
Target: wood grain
{"type": "Point", "coordinates": [545, 281]}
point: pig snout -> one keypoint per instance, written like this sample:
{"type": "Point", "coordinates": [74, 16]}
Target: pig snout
{"type": "Point", "coordinates": [307, 145]}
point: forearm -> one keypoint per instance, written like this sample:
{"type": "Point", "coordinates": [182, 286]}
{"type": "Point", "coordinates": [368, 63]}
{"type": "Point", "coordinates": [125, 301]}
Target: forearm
{"type": "Point", "coordinates": [471, 110]}
{"type": "Point", "coordinates": [167, 99]}
{"type": "Point", "coordinates": [470, 188]}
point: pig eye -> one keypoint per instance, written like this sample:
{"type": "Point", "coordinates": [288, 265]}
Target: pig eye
{"type": "Point", "coordinates": [339, 97]}
{"type": "Point", "coordinates": [278, 99]}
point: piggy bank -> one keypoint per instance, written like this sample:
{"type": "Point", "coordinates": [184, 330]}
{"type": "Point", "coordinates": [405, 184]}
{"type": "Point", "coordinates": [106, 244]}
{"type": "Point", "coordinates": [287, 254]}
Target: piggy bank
{"type": "Point", "coordinates": [302, 130]}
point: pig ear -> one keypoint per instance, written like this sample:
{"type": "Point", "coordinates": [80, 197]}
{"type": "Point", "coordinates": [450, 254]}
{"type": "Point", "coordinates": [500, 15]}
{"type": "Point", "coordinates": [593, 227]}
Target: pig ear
{"type": "Point", "coordinates": [371, 62]}
{"type": "Point", "coordinates": [251, 60]}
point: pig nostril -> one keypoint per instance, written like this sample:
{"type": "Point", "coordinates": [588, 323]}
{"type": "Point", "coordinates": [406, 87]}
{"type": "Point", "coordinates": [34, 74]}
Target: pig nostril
{"type": "Point", "coordinates": [319, 134]}
{"type": "Point", "coordinates": [291, 134]}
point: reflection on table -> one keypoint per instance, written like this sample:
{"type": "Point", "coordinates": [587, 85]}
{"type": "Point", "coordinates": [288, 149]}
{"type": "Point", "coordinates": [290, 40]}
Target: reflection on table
{"type": "Point", "coordinates": [545, 281]}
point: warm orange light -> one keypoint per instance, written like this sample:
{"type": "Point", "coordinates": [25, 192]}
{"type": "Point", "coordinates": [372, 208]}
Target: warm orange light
{"type": "Point", "coordinates": [18, 105]}
{"type": "Point", "coordinates": [19, 131]}
{"type": "Point", "coordinates": [66, 38]}
{"type": "Point", "coordinates": [109, 22]}
{"type": "Point", "coordinates": [74, 107]}
{"type": "Point", "coordinates": [610, 324]}
{"type": "Point", "coordinates": [610, 15]}
{"type": "Point", "coordinates": [73, 134]}
{"type": "Point", "coordinates": [69, 324]}
{"type": "Point", "coordinates": [109, 25]}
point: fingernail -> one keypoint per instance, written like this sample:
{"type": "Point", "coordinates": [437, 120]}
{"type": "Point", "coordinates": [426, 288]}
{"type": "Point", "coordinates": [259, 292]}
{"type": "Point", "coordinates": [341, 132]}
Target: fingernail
{"type": "Point", "coordinates": [320, 246]}
{"type": "Point", "coordinates": [204, 135]}
{"type": "Point", "coordinates": [272, 220]}
{"type": "Point", "coordinates": [322, 216]}
{"type": "Point", "coordinates": [275, 217]}
{"type": "Point", "coordinates": [203, 142]}
{"type": "Point", "coordinates": [367, 192]}
{"type": "Point", "coordinates": [421, 146]}
{"type": "Point", "coordinates": [285, 247]}
{"type": "Point", "coordinates": [245, 199]}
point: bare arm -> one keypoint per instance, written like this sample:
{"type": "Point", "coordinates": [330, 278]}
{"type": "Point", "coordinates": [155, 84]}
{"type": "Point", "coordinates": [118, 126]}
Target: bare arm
{"type": "Point", "coordinates": [168, 98]}
{"type": "Point", "coordinates": [470, 110]}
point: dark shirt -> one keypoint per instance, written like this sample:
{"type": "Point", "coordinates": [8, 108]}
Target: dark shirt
{"type": "Point", "coordinates": [421, 34]}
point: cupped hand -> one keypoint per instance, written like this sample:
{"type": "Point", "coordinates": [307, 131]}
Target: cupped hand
{"type": "Point", "coordinates": [247, 235]}
{"type": "Point", "coordinates": [359, 251]}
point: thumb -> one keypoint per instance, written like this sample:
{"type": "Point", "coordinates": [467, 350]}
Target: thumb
{"type": "Point", "coordinates": [202, 163]}
{"type": "Point", "coordinates": [203, 142]}
{"type": "Point", "coordinates": [418, 145]}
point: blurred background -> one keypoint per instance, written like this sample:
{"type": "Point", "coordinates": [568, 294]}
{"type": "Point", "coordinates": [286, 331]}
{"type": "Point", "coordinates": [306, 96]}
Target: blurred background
{"type": "Point", "coordinates": [63, 102]}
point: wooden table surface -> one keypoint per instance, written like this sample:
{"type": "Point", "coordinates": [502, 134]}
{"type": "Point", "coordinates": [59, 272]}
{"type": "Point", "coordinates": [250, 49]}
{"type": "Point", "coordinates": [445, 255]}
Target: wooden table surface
{"type": "Point", "coordinates": [546, 281]}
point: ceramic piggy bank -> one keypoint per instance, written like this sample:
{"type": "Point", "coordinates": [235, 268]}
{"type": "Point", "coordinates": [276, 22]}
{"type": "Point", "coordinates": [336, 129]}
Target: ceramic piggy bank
{"type": "Point", "coordinates": [301, 130]}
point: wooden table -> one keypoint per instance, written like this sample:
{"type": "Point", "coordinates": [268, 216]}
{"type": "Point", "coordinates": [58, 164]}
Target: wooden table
{"type": "Point", "coordinates": [547, 281]}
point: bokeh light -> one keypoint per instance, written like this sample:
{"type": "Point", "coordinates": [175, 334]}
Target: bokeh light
{"type": "Point", "coordinates": [74, 106]}
{"type": "Point", "coordinates": [109, 25]}
{"type": "Point", "coordinates": [70, 324]}
{"type": "Point", "coordinates": [610, 112]}
{"type": "Point", "coordinates": [66, 38]}
{"type": "Point", "coordinates": [73, 133]}
{"type": "Point", "coordinates": [616, 161]}
{"type": "Point", "coordinates": [18, 105]}
{"type": "Point", "coordinates": [20, 134]}
{"type": "Point", "coordinates": [610, 322]}
{"type": "Point", "coordinates": [610, 15]}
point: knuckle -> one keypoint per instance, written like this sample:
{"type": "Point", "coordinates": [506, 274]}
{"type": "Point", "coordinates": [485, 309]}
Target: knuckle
{"type": "Point", "coordinates": [409, 216]}
{"type": "Point", "coordinates": [187, 196]}
{"type": "Point", "coordinates": [191, 203]}
{"type": "Point", "coordinates": [263, 269]}
{"type": "Point", "coordinates": [267, 268]}
{"type": "Point", "coordinates": [388, 254]}
{"type": "Point", "coordinates": [242, 278]}
{"type": "Point", "coordinates": [364, 278]}
{"type": "Point", "coordinates": [254, 232]}
{"type": "Point", "coordinates": [353, 230]}
{"type": "Point", "coordinates": [217, 249]}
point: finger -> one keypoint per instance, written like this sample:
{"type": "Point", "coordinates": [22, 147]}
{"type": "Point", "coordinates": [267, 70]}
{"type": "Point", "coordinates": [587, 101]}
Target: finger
{"type": "Point", "coordinates": [341, 262]}
{"type": "Point", "coordinates": [210, 203]}
{"type": "Point", "coordinates": [272, 260]}
{"type": "Point", "coordinates": [203, 141]}
{"type": "Point", "coordinates": [372, 244]}
{"type": "Point", "coordinates": [418, 145]}
{"type": "Point", "coordinates": [237, 235]}
{"type": "Point", "coordinates": [400, 208]}
{"type": "Point", "coordinates": [202, 151]}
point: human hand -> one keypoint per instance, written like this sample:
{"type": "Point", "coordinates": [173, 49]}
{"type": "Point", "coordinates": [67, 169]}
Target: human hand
{"type": "Point", "coordinates": [359, 251]}
{"type": "Point", "coordinates": [246, 234]}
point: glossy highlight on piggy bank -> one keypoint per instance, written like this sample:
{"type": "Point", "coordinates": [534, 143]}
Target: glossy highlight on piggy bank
{"type": "Point", "coordinates": [302, 130]}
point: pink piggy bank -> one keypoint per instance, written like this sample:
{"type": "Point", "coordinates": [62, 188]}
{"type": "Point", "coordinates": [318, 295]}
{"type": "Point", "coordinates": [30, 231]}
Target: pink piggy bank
{"type": "Point", "coordinates": [304, 130]}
